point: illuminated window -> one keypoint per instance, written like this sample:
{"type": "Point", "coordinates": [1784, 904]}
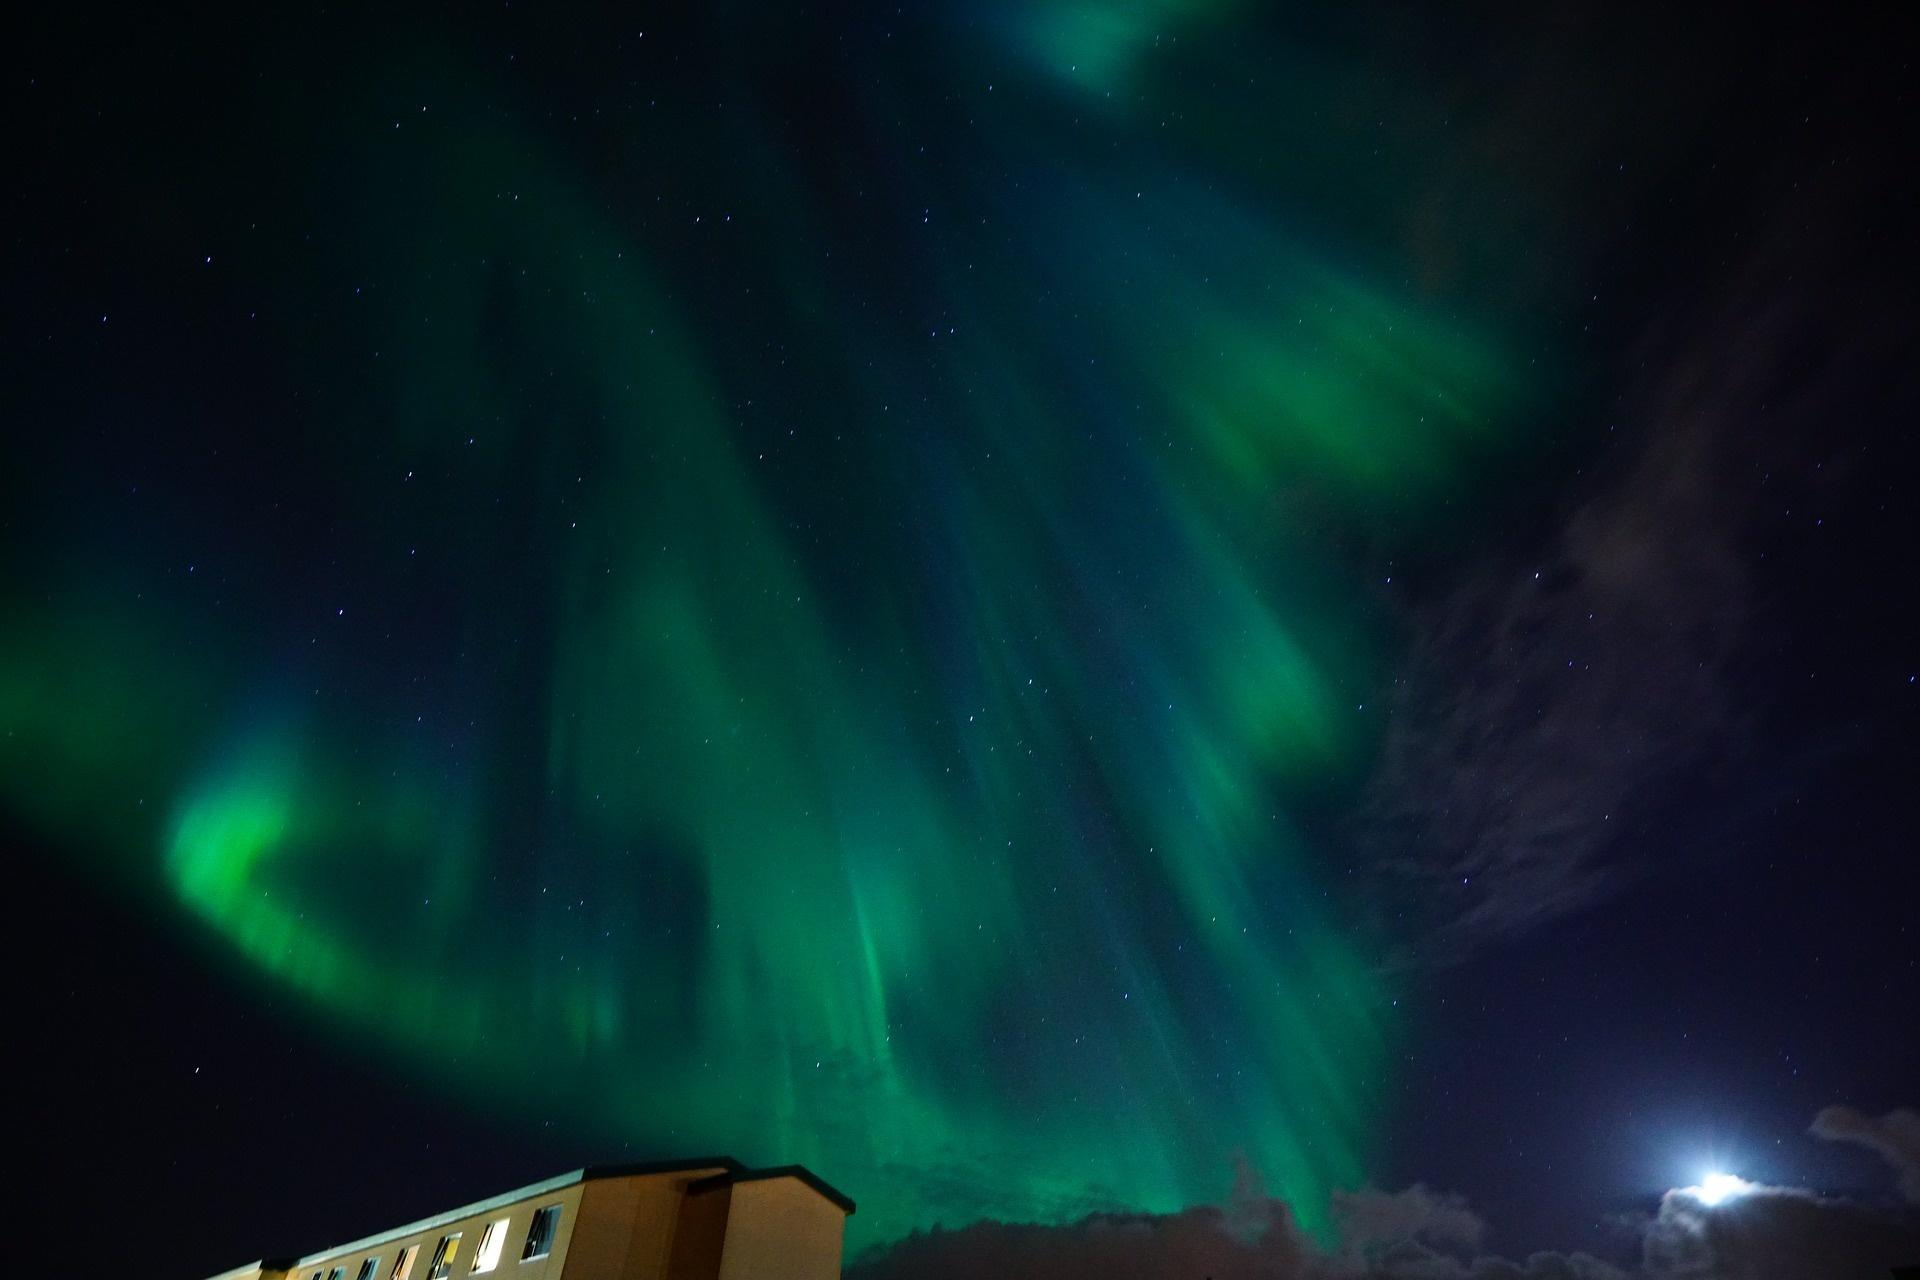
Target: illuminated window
{"type": "Point", "coordinates": [443, 1256]}
{"type": "Point", "coordinates": [487, 1256]}
{"type": "Point", "coordinates": [403, 1264]}
{"type": "Point", "coordinates": [370, 1269]}
{"type": "Point", "coordinates": [540, 1233]}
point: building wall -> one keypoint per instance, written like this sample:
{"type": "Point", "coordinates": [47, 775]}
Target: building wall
{"type": "Point", "coordinates": [649, 1226]}
{"type": "Point", "coordinates": [627, 1226]}
{"type": "Point", "coordinates": [519, 1215]}
{"type": "Point", "coordinates": [781, 1229]}
{"type": "Point", "coordinates": [700, 1234]}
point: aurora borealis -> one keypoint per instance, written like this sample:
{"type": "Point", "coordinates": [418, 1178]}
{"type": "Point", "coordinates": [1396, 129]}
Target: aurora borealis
{"type": "Point", "coordinates": [808, 587]}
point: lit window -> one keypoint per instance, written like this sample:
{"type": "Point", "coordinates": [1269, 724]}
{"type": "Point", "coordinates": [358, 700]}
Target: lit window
{"type": "Point", "coordinates": [370, 1269]}
{"type": "Point", "coordinates": [487, 1256]}
{"type": "Point", "coordinates": [443, 1256]}
{"type": "Point", "coordinates": [540, 1233]}
{"type": "Point", "coordinates": [403, 1264]}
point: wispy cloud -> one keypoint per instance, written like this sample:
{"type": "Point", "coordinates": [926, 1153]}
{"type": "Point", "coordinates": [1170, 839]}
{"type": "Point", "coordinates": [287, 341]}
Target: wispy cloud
{"type": "Point", "coordinates": [1895, 1137]}
{"type": "Point", "coordinates": [1558, 697]}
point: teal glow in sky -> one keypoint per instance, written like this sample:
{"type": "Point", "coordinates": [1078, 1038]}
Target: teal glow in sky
{"type": "Point", "coordinates": [822, 652]}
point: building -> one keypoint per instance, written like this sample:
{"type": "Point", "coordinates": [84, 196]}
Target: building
{"type": "Point", "coordinates": [707, 1219]}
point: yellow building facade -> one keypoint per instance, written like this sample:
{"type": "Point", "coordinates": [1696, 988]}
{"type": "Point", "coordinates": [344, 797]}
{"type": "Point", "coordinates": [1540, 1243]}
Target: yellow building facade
{"type": "Point", "coordinates": [705, 1219]}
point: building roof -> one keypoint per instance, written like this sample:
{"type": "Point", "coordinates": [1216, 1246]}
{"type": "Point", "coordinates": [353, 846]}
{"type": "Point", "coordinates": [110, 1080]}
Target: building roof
{"type": "Point", "coordinates": [731, 1171]}
{"type": "Point", "coordinates": [735, 1172]}
{"type": "Point", "coordinates": [796, 1171]}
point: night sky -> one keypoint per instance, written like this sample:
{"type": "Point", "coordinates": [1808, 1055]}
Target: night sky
{"type": "Point", "coordinates": [1051, 609]}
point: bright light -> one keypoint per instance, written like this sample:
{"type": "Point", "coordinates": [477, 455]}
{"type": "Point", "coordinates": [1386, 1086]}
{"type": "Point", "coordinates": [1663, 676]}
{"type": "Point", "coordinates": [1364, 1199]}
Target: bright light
{"type": "Point", "coordinates": [1717, 1188]}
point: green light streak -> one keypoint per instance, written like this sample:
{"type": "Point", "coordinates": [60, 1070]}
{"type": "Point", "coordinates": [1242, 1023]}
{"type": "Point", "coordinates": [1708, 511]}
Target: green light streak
{"type": "Point", "coordinates": [914, 808]}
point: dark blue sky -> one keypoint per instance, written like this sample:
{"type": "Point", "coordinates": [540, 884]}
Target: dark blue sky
{"type": "Point", "coordinates": [1026, 604]}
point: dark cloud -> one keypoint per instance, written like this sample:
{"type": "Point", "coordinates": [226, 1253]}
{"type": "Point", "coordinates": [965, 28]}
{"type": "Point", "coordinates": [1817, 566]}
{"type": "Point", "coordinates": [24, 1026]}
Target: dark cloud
{"type": "Point", "coordinates": [1560, 705]}
{"type": "Point", "coordinates": [1193, 1242]}
{"type": "Point", "coordinates": [1409, 1235]}
{"type": "Point", "coordinates": [1419, 1234]}
{"type": "Point", "coordinates": [1894, 1136]}
{"type": "Point", "coordinates": [1777, 1233]}
{"type": "Point", "coordinates": [1523, 738]}
{"type": "Point", "coordinates": [1768, 1233]}
{"type": "Point", "coordinates": [1525, 748]}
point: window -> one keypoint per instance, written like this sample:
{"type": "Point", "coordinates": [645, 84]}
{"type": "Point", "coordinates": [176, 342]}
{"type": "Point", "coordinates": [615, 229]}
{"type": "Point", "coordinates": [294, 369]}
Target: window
{"type": "Point", "coordinates": [443, 1255]}
{"type": "Point", "coordinates": [338, 1273]}
{"type": "Point", "coordinates": [487, 1256]}
{"type": "Point", "coordinates": [540, 1233]}
{"type": "Point", "coordinates": [370, 1269]}
{"type": "Point", "coordinates": [403, 1263]}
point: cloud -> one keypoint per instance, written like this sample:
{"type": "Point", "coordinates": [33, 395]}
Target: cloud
{"type": "Point", "coordinates": [1894, 1136]}
{"type": "Point", "coordinates": [1566, 702]}
{"type": "Point", "coordinates": [1416, 1234]}
{"type": "Point", "coordinates": [1524, 747]}
{"type": "Point", "coordinates": [1372, 1221]}
{"type": "Point", "coordinates": [1776, 1233]}
{"type": "Point", "coordinates": [1767, 1233]}
{"type": "Point", "coordinates": [1387, 1236]}
{"type": "Point", "coordinates": [1419, 1234]}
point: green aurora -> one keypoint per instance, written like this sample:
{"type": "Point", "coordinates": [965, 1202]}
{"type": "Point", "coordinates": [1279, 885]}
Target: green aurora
{"type": "Point", "coordinates": [755, 647]}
